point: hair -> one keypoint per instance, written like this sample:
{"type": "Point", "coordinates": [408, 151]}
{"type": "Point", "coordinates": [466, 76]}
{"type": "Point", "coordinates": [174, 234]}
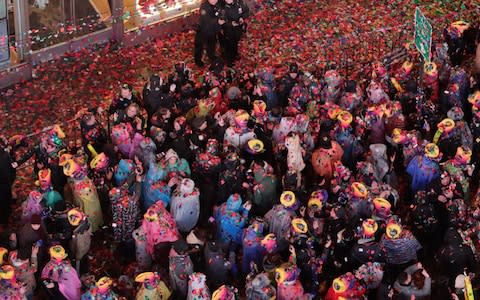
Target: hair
{"type": "Point", "coordinates": [418, 279]}
{"type": "Point", "coordinates": [134, 105]}
{"type": "Point", "coordinates": [403, 278]}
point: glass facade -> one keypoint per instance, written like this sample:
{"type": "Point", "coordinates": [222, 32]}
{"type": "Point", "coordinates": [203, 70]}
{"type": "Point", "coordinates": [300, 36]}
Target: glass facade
{"type": "Point", "coordinates": [55, 21]}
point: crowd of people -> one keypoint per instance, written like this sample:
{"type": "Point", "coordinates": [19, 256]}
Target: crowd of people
{"type": "Point", "coordinates": [240, 185]}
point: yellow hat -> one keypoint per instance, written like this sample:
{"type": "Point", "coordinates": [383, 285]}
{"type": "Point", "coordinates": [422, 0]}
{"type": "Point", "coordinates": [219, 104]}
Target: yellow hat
{"type": "Point", "coordinates": [99, 162]}
{"type": "Point", "coordinates": [446, 125]}
{"type": "Point", "coordinates": [58, 130]}
{"type": "Point", "coordinates": [64, 158]}
{"type": "Point", "coordinates": [333, 112]}
{"type": "Point", "coordinates": [393, 230]}
{"type": "Point", "coordinates": [369, 227]}
{"type": "Point", "coordinates": [464, 154]}
{"type": "Point", "coordinates": [407, 66]}
{"type": "Point", "coordinates": [345, 118]}
{"type": "Point", "coordinates": [104, 282]}
{"type": "Point", "coordinates": [287, 199]}
{"type": "Point", "coordinates": [299, 225]}
{"type": "Point", "coordinates": [69, 167]}
{"type": "Point", "coordinates": [432, 150]}
{"type": "Point", "coordinates": [256, 145]}
{"type": "Point", "coordinates": [399, 136]}
{"type": "Point", "coordinates": [223, 293]}
{"type": "Point", "coordinates": [459, 26]}
{"type": "Point", "coordinates": [259, 107]}
{"type": "Point", "coordinates": [7, 272]}
{"type": "Point", "coordinates": [75, 216]}
{"type": "Point", "coordinates": [430, 68]}
{"type": "Point", "coordinates": [146, 276]}
{"type": "Point", "coordinates": [150, 215]}
{"type": "Point", "coordinates": [45, 176]}
{"type": "Point", "coordinates": [3, 252]}
{"type": "Point", "coordinates": [381, 204]}
{"type": "Point", "coordinates": [315, 202]}
{"type": "Point", "coordinates": [359, 190]}
{"type": "Point", "coordinates": [339, 285]}
{"type": "Point", "coordinates": [57, 252]}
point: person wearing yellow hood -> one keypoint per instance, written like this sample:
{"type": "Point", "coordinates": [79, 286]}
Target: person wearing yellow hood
{"type": "Point", "coordinates": [152, 288]}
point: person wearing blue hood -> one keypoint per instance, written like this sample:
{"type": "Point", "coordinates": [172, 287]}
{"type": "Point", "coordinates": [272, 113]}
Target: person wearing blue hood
{"type": "Point", "coordinates": [231, 218]}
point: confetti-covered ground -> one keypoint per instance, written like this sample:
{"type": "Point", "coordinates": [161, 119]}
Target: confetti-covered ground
{"type": "Point", "coordinates": [349, 33]}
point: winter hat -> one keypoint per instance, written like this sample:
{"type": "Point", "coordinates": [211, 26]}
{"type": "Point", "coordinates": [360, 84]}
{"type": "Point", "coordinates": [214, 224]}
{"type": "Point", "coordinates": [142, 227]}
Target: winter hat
{"type": "Point", "coordinates": [70, 167]}
{"type": "Point", "coordinates": [104, 283]}
{"type": "Point", "coordinates": [430, 69]}
{"type": "Point", "coordinates": [345, 118]}
{"type": "Point", "coordinates": [286, 273]}
{"type": "Point", "coordinates": [457, 28]}
{"type": "Point", "coordinates": [299, 225]}
{"type": "Point", "coordinates": [399, 136]}
{"type": "Point", "coordinates": [432, 151]}
{"type": "Point", "coordinates": [321, 195]}
{"type": "Point", "coordinates": [224, 293]}
{"type": "Point", "coordinates": [255, 146]}
{"type": "Point", "coordinates": [146, 277]}
{"type": "Point", "coordinates": [100, 162]}
{"type": "Point", "coordinates": [315, 203]}
{"type": "Point", "coordinates": [57, 252]}
{"type": "Point", "coordinates": [463, 155]}
{"type": "Point", "coordinates": [259, 108]}
{"type": "Point", "coordinates": [407, 67]}
{"type": "Point", "coordinates": [446, 125]}
{"type": "Point", "coordinates": [382, 207]}
{"type": "Point", "coordinates": [171, 154]}
{"type": "Point", "coordinates": [233, 93]}
{"type": "Point", "coordinates": [151, 215]}
{"type": "Point", "coordinates": [64, 158]}
{"type": "Point", "coordinates": [45, 178]}
{"type": "Point", "coordinates": [124, 170]}
{"type": "Point", "coordinates": [269, 242]}
{"type": "Point", "coordinates": [187, 186]}
{"type": "Point", "coordinates": [359, 190]}
{"type": "Point", "coordinates": [369, 227]}
{"type": "Point", "coordinates": [288, 199]}
{"type": "Point", "coordinates": [35, 220]}
{"type": "Point", "coordinates": [393, 230]}
{"type": "Point", "coordinates": [75, 216]}
{"type": "Point", "coordinates": [7, 272]}
{"type": "Point", "coordinates": [455, 113]}
{"type": "Point", "coordinates": [334, 111]}
{"type": "Point", "coordinates": [3, 253]}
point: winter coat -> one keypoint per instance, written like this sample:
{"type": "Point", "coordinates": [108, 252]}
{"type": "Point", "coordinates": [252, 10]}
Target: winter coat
{"type": "Point", "coordinates": [231, 218]}
{"type": "Point", "coordinates": [185, 205]}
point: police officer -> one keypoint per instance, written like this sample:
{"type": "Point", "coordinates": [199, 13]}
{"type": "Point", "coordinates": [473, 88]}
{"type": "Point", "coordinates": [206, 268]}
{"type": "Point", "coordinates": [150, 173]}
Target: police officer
{"type": "Point", "coordinates": [208, 28]}
{"type": "Point", "coordinates": [234, 12]}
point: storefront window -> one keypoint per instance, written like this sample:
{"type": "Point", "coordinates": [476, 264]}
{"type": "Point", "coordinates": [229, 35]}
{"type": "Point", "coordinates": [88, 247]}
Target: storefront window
{"type": "Point", "coordinates": [56, 21]}
{"type": "Point", "coordinates": [139, 13]}
{"type": "Point", "coordinates": [4, 49]}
